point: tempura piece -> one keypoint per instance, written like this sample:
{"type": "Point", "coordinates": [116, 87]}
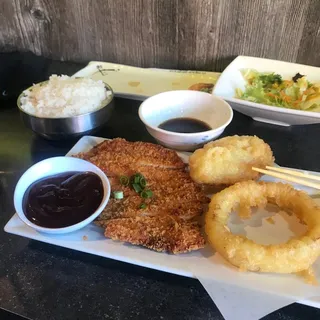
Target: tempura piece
{"type": "Point", "coordinates": [230, 160]}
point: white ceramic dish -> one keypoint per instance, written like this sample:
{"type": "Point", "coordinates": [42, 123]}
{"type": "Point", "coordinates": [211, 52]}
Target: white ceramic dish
{"type": "Point", "coordinates": [188, 104]}
{"type": "Point", "coordinates": [90, 239]}
{"type": "Point", "coordinates": [51, 167]}
{"type": "Point", "coordinates": [231, 79]}
{"type": "Point", "coordinates": [141, 83]}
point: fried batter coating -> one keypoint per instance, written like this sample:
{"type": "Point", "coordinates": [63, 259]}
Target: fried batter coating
{"type": "Point", "coordinates": [230, 160]}
{"type": "Point", "coordinates": [119, 151]}
{"type": "Point", "coordinates": [161, 233]}
{"type": "Point", "coordinates": [295, 255]}
{"type": "Point", "coordinates": [177, 200]}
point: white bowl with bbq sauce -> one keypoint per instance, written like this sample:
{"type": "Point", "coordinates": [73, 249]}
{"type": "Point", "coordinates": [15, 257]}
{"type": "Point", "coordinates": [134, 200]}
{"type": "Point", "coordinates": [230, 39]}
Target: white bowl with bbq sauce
{"type": "Point", "coordinates": [185, 120]}
{"type": "Point", "coordinates": [61, 194]}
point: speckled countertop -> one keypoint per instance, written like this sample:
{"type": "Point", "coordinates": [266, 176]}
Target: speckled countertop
{"type": "Point", "coordinates": [40, 281]}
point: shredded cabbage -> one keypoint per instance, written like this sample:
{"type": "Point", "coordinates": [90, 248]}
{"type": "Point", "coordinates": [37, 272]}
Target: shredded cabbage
{"type": "Point", "coordinates": [270, 89]}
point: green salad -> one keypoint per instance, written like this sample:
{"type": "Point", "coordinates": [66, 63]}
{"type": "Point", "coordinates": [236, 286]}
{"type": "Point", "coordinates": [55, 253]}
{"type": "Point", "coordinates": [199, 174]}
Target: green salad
{"type": "Point", "coordinates": [270, 89]}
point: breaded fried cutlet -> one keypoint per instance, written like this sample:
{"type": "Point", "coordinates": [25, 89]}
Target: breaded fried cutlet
{"type": "Point", "coordinates": [130, 207]}
{"type": "Point", "coordinates": [174, 193]}
{"type": "Point", "coordinates": [120, 151]}
{"type": "Point", "coordinates": [179, 185]}
{"type": "Point", "coordinates": [175, 197]}
{"type": "Point", "coordinates": [161, 233]}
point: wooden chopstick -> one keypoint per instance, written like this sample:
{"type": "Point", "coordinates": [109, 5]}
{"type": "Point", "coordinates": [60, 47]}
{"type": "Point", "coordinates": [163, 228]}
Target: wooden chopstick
{"type": "Point", "coordinates": [295, 173]}
{"type": "Point", "coordinates": [286, 177]}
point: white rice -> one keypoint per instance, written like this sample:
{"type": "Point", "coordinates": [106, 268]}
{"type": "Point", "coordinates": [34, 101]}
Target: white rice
{"type": "Point", "coordinates": [63, 96]}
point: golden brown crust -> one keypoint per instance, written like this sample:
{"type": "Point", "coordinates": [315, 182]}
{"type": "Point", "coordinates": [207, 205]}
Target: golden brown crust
{"type": "Point", "coordinates": [130, 207]}
{"type": "Point", "coordinates": [230, 160]}
{"type": "Point", "coordinates": [185, 200]}
{"type": "Point", "coordinates": [120, 151]}
{"type": "Point", "coordinates": [163, 234]}
{"type": "Point", "coordinates": [175, 195]}
{"type": "Point", "coordinates": [297, 254]}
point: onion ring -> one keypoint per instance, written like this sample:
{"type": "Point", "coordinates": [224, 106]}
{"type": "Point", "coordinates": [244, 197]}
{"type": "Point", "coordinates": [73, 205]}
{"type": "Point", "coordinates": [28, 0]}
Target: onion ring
{"type": "Point", "coordinates": [296, 255]}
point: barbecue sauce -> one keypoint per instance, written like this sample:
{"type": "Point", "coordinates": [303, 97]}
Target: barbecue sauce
{"type": "Point", "coordinates": [184, 125]}
{"type": "Point", "coordinates": [63, 200]}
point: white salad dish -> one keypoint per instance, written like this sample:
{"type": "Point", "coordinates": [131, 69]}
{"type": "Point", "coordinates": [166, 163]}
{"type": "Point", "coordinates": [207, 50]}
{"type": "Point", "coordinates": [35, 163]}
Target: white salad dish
{"type": "Point", "coordinates": [231, 79]}
{"type": "Point", "coordinates": [50, 167]}
{"type": "Point", "coordinates": [204, 263]}
{"type": "Point", "coordinates": [185, 104]}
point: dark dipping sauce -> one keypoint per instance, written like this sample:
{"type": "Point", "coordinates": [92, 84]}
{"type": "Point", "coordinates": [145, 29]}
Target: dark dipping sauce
{"type": "Point", "coordinates": [63, 200]}
{"type": "Point", "coordinates": [184, 125]}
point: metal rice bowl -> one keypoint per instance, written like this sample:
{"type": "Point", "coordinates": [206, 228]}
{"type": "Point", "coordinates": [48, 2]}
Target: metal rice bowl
{"type": "Point", "coordinates": [68, 127]}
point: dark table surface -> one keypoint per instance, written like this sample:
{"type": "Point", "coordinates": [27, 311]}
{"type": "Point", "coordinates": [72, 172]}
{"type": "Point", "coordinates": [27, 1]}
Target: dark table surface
{"type": "Point", "coordinates": [41, 281]}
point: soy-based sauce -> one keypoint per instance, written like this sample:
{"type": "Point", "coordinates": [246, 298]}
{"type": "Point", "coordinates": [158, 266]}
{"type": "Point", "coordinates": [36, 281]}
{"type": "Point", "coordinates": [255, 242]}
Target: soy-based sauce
{"type": "Point", "coordinates": [63, 199]}
{"type": "Point", "coordinates": [184, 125]}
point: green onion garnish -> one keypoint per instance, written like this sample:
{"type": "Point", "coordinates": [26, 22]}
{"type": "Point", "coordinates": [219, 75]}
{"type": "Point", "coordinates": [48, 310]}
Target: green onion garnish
{"type": "Point", "coordinates": [124, 180]}
{"type": "Point", "coordinates": [138, 183]}
{"type": "Point", "coordinates": [118, 194]}
{"type": "Point", "coordinates": [136, 187]}
{"type": "Point", "coordinates": [136, 179]}
{"type": "Point", "coordinates": [143, 206]}
{"type": "Point", "coordinates": [143, 183]}
{"type": "Point", "coordinates": [146, 194]}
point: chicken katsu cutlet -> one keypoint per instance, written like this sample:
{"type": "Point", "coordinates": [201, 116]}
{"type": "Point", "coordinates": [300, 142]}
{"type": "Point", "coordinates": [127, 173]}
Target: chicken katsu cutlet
{"type": "Point", "coordinates": [173, 193]}
{"type": "Point", "coordinates": [125, 153]}
{"type": "Point", "coordinates": [161, 233]}
{"type": "Point", "coordinates": [166, 221]}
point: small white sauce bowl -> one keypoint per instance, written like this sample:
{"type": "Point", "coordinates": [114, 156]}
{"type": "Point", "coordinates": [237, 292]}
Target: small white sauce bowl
{"type": "Point", "coordinates": [185, 104]}
{"type": "Point", "coordinates": [51, 167]}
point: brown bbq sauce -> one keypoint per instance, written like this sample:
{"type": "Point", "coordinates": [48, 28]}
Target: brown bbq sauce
{"type": "Point", "coordinates": [63, 200]}
{"type": "Point", "coordinates": [184, 125]}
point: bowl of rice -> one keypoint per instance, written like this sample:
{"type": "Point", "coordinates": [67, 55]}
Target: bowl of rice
{"type": "Point", "coordinates": [66, 107]}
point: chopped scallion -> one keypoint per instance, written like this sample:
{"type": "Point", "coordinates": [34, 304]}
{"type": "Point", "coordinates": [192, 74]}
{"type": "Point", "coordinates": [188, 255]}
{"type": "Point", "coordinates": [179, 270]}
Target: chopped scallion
{"type": "Point", "coordinates": [138, 183]}
{"type": "Point", "coordinates": [136, 187]}
{"type": "Point", "coordinates": [124, 180]}
{"type": "Point", "coordinates": [143, 183]}
{"type": "Point", "coordinates": [146, 194]}
{"type": "Point", "coordinates": [118, 195]}
{"type": "Point", "coordinates": [136, 179]}
{"type": "Point", "coordinates": [143, 206]}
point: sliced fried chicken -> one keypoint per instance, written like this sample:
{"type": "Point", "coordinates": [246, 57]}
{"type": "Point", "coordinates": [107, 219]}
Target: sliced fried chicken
{"type": "Point", "coordinates": [184, 200]}
{"type": "Point", "coordinates": [165, 222]}
{"type": "Point", "coordinates": [130, 207]}
{"type": "Point", "coordinates": [163, 234]}
{"type": "Point", "coordinates": [123, 152]}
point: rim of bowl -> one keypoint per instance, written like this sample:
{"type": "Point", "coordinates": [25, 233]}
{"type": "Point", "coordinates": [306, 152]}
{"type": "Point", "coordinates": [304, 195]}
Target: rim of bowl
{"type": "Point", "coordinates": [226, 104]}
{"type": "Point", "coordinates": [103, 104]}
{"type": "Point", "coordinates": [72, 227]}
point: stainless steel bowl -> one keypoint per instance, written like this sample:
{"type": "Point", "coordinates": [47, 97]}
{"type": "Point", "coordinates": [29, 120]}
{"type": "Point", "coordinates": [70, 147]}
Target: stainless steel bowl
{"type": "Point", "coordinates": [69, 127]}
